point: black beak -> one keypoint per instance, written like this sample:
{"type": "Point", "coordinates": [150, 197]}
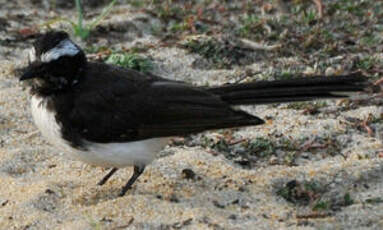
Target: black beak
{"type": "Point", "coordinates": [32, 71]}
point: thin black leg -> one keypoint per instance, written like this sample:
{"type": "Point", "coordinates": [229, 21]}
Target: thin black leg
{"type": "Point", "coordinates": [137, 171]}
{"type": "Point", "coordinates": [107, 176]}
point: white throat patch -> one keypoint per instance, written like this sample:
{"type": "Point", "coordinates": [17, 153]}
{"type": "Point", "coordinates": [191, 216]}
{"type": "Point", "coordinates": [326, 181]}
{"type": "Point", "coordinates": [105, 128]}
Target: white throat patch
{"type": "Point", "coordinates": [64, 48]}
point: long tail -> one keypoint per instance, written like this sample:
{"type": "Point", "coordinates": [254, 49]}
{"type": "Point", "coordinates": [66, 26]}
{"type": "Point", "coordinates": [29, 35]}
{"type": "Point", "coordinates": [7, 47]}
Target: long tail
{"type": "Point", "coordinates": [298, 89]}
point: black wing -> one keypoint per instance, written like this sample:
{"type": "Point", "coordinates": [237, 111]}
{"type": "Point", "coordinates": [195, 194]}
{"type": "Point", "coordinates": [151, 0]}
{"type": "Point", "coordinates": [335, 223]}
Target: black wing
{"type": "Point", "coordinates": [111, 108]}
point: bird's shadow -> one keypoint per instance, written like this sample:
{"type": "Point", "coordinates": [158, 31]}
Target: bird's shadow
{"type": "Point", "coordinates": [97, 194]}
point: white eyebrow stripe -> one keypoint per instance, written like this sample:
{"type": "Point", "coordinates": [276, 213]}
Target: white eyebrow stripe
{"type": "Point", "coordinates": [64, 48]}
{"type": "Point", "coordinates": [32, 55]}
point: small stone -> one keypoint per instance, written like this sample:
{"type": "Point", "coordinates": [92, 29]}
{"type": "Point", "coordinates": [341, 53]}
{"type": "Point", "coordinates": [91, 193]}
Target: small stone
{"type": "Point", "coordinates": [309, 71]}
{"type": "Point", "coordinates": [188, 174]}
{"type": "Point", "coordinates": [233, 217]}
{"type": "Point", "coordinates": [49, 191]}
{"type": "Point", "coordinates": [173, 198]}
{"type": "Point", "coordinates": [218, 205]}
{"type": "Point", "coordinates": [3, 203]}
{"type": "Point", "coordinates": [273, 160]}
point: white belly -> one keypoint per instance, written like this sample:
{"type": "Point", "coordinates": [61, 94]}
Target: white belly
{"type": "Point", "coordinates": [107, 155]}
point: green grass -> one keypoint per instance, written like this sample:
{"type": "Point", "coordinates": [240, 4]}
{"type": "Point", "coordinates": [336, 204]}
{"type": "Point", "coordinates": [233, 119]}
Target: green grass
{"type": "Point", "coordinates": [250, 24]}
{"type": "Point", "coordinates": [348, 200]}
{"type": "Point", "coordinates": [131, 61]}
{"type": "Point", "coordinates": [366, 63]}
{"type": "Point", "coordinates": [370, 40]}
{"type": "Point", "coordinates": [300, 193]}
{"type": "Point", "coordinates": [309, 18]}
{"type": "Point", "coordinates": [376, 200]}
{"type": "Point", "coordinates": [312, 106]}
{"type": "Point", "coordinates": [312, 193]}
{"type": "Point", "coordinates": [82, 30]}
{"type": "Point", "coordinates": [179, 27]}
{"type": "Point", "coordinates": [262, 147]}
{"type": "Point", "coordinates": [220, 53]}
{"type": "Point", "coordinates": [321, 206]}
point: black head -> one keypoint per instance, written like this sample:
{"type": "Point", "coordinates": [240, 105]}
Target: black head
{"type": "Point", "coordinates": [55, 62]}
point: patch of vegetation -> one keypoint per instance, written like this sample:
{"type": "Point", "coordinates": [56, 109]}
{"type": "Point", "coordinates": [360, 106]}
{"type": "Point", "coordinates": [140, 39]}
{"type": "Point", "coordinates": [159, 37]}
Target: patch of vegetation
{"type": "Point", "coordinates": [300, 193]}
{"type": "Point", "coordinates": [366, 63]}
{"type": "Point", "coordinates": [136, 3]}
{"type": "Point", "coordinates": [281, 73]}
{"type": "Point", "coordinates": [285, 75]}
{"type": "Point", "coordinates": [261, 146]}
{"type": "Point", "coordinates": [376, 200]}
{"type": "Point", "coordinates": [348, 200]}
{"type": "Point", "coordinates": [256, 28]}
{"type": "Point", "coordinates": [309, 18]}
{"type": "Point", "coordinates": [244, 152]}
{"type": "Point", "coordinates": [376, 119]}
{"type": "Point", "coordinates": [82, 30]}
{"type": "Point", "coordinates": [354, 7]}
{"type": "Point", "coordinates": [311, 193]}
{"type": "Point", "coordinates": [304, 105]}
{"type": "Point", "coordinates": [250, 24]}
{"type": "Point", "coordinates": [178, 17]}
{"type": "Point", "coordinates": [353, 27]}
{"type": "Point", "coordinates": [251, 153]}
{"type": "Point", "coordinates": [307, 107]}
{"type": "Point", "coordinates": [131, 61]}
{"type": "Point", "coordinates": [220, 52]}
{"type": "Point", "coordinates": [181, 26]}
{"type": "Point", "coordinates": [369, 40]}
{"type": "Point", "coordinates": [321, 206]}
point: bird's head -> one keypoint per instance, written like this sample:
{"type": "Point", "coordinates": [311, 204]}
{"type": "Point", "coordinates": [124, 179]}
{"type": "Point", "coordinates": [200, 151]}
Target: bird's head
{"type": "Point", "coordinates": [55, 61]}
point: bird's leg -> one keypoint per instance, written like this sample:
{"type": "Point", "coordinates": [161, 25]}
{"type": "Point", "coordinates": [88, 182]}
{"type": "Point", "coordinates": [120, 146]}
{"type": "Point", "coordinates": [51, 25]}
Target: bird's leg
{"type": "Point", "coordinates": [137, 171]}
{"type": "Point", "coordinates": [107, 176]}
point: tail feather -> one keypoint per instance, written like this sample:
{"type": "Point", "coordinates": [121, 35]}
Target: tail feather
{"type": "Point", "coordinates": [299, 89]}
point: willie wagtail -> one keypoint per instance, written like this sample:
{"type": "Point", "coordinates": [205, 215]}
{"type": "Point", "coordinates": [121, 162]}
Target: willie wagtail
{"type": "Point", "coordinates": [116, 117]}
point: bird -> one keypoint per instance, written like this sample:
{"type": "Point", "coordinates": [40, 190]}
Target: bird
{"type": "Point", "coordinates": [115, 117]}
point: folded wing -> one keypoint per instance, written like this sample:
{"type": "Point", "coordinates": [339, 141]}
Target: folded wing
{"type": "Point", "coordinates": [126, 110]}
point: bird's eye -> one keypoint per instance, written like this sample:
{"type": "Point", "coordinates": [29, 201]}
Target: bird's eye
{"type": "Point", "coordinates": [57, 41]}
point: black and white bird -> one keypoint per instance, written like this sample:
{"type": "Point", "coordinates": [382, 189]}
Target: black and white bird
{"type": "Point", "coordinates": [115, 117]}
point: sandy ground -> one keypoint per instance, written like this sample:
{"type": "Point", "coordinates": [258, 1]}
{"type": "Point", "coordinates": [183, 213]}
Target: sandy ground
{"type": "Point", "coordinates": [42, 189]}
